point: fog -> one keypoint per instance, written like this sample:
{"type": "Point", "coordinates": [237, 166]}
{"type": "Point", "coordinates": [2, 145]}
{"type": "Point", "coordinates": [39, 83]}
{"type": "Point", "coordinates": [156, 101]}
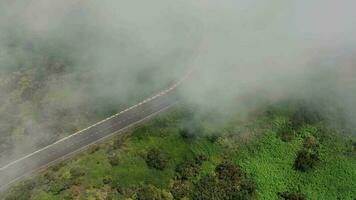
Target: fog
{"type": "Point", "coordinates": [242, 52]}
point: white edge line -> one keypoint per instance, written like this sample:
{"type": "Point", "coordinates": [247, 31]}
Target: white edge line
{"type": "Point", "coordinates": [69, 136]}
{"type": "Point", "coordinates": [102, 121]}
{"type": "Point", "coordinates": [2, 188]}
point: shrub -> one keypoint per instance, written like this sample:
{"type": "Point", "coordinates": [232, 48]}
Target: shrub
{"type": "Point", "coordinates": [114, 160]}
{"type": "Point", "coordinates": [292, 196]}
{"type": "Point", "coordinates": [311, 143]}
{"type": "Point", "coordinates": [187, 169]}
{"type": "Point", "coordinates": [94, 149]}
{"type": "Point", "coordinates": [227, 171]}
{"type": "Point", "coordinates": [58, 187]}
{"type": "Point", "coordinates": [306, 160]}
{"type": "Point", "coordinates": [156, 159]}
{"type": "Point", "coordinates": [214, 137]}
{"type": "Point", "coordinates": [76, 172]}
{"type": "Point", "coordinates": [117, 143]}
{"type": "Point", "coordinates": [208, 188]}
{"type": "Point", "coordinates": [107, 180]}
{"type": "Point", "coordinates": [150, 192]}
{"type": "Point", "coordinates": [247, 191]}
{"type": "Point", "coordinates": [190, 168]}
{"type": "Point", "coordinates": [22, 191]}
{"type": "Point", "coordinates": [181, 189]}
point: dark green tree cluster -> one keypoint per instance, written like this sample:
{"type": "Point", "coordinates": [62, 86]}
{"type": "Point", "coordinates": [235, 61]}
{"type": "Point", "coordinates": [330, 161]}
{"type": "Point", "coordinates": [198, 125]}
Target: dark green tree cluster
{"type": "Point", "coordinates": [156, 159]}
{"type": "Point", "coordinates": [308, 156]}
{"type": "Point", "coordinates": [227, 182]}
{"type": "Point", "coordinates": [189, 168]}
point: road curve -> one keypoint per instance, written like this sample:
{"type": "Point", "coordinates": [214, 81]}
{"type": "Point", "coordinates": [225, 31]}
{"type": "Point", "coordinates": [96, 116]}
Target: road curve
{"type": "Point", "coordinates": [25, 166]}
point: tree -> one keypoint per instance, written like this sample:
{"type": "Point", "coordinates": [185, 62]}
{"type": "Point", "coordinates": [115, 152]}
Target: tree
{"type": "Point", "coordinates": [156, 159]}
{"type": "Point", "coordinates": [306, 159]}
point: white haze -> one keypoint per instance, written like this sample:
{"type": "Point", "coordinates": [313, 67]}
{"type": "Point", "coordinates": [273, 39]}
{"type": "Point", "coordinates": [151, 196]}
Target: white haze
{"type": "Point", "coordinates": [270, 50]}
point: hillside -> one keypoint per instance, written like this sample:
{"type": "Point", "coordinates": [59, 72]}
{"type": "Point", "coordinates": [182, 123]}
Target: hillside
{"type": "Point", "coordinates": [280, 153]}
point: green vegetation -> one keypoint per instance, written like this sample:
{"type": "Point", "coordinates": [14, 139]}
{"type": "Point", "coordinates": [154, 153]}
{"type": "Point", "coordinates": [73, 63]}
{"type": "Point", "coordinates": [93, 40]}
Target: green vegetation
{"type": "Point", "coordinates": [250, 159]}
{"type": "Point", "coordinates": [47, 91]}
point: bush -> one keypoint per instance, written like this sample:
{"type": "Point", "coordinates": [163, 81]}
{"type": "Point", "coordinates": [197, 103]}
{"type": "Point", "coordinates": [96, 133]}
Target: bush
{"type": "Point", "coordinates": [181, 189]}
{"type": "Point", "coordinates": [114, 160]}
{"type": "Point", "coordinates": [117, 143]}
{"type": "Point", "coordinates": [214, 137]}
{"type": "Point", "coordinates": [311, 143]}
{"type": "Point", "coordinates": [94, 149]}
{"type": "Point", "coordinates": [208, 188]}
{"type": "Point", "coordinates": [22, 191]}
{"type": "Point", "coordinates": [58, 187]}
{"type": "Point", "coordinates": [150, 192]}
{"type": "Point", "coordinates": [306, 160]}
{"type": "Point", "coordinates": [190, 168]}
{"type": "Point", "coordinates": [247, 191]}
{"type": "Point", "coordinates": [292, 196]}
{"type": "Point", "coordinates": [156, 159]}
{"type": "Point", "coordinates": [227, 171]}
{"type": "Point", "coordinates": [76, 172]}
{"type": "Point", "coordinates": [107, 180]}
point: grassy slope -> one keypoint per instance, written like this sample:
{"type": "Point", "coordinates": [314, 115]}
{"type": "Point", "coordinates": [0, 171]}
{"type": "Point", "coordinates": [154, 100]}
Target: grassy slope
{"type": "Point", "coordinates": [266, 159]}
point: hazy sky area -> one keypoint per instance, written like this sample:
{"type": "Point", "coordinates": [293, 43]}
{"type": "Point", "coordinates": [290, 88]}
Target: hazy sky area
{"type": "Point", "coordinates": [269, 50]}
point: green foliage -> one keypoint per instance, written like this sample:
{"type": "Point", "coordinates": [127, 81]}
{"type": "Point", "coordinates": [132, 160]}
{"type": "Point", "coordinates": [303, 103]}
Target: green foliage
{"type": "Point", "coordinates": [114, 160]}
{"type": "Point", "coordinates": [189, 168]}
{"type": "Point", "coordinates": [150, 192]}
{"type": "Point", "coordinates": [208, 188]}
{"type": "Point", "coordinates": [76, 172]}
{"type": "Point", "coordinates": [264, 169]}
{"type": "Point", "coordinates": [228, 183]}
{"type": "Point", "coordinates": [181, 189]}
{"type": "Point", "coordinates": [292, 196]}
{"type": "Point", "coordinates": [156, 159]}
{"type": "Point", "coordinates": [311, 143]}
{"type": "Point", "coordinates": [229, 172]}
{"type": "Point", "coordinates": [22, 192]}
{"type": "Point", "coordinates": [308, 157]}
{"type": "Point", "coordinates": [58, 186]}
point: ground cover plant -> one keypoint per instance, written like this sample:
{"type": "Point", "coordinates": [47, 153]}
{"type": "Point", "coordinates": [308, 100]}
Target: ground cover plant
{"type": "Point", "coordinates": [157, 161]}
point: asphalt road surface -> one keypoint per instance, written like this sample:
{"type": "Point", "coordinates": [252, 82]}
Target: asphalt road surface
{"type": "Point", "coordinates": [46, 156]}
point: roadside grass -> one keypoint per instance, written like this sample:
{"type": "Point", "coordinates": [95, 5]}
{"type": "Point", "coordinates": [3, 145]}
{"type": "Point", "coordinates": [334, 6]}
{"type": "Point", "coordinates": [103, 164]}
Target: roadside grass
{"type": "Point", "coordinates": [254, 144]}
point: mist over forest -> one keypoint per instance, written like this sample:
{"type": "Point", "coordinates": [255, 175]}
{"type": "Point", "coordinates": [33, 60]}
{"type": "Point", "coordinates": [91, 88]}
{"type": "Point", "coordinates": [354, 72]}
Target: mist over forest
{"type": "Point", "coordinates": [66, 64]}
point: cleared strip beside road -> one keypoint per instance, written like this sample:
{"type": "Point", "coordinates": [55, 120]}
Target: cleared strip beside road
{"type": "Point", "coordinates": [26, 165]}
